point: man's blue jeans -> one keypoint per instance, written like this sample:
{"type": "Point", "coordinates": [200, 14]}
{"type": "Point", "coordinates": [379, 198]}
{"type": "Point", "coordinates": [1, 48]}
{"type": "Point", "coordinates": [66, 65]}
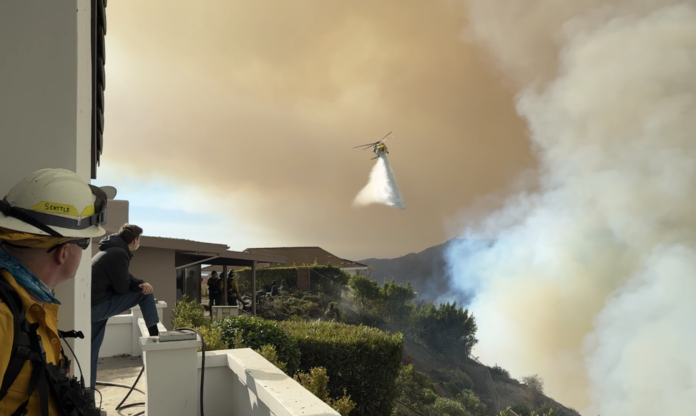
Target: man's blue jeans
{"type": "Point", "coordinates": [117, 304]}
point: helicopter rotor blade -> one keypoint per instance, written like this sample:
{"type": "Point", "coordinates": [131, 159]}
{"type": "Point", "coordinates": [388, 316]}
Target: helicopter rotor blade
{"type": "Point", "coordinates": [387, 137]}
{"type": "Point", "coordinates": [366, 145]}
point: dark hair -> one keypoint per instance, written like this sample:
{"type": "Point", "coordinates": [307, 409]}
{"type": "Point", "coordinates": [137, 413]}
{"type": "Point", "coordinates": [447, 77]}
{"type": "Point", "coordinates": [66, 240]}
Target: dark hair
{"type": "Point", "coordinates": [130, 232]}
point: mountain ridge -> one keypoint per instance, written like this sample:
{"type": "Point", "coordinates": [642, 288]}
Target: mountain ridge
{"type": "Point", "coordinates": [427, 271]}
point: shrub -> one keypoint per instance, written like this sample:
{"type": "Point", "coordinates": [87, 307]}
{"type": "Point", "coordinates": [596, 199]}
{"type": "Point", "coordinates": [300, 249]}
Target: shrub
{"type": "Point", "coordinates": [212, 336]}
{"type": "Point", "coordinates": [266, 276]}
{"type": "Point", "coordinates": [522, 409]}
{"type": "Point", "coordinates": [383, 306]}
{"type": "Point", "coordinates": [453, 387]}
{"type": "Point", "coordinates": [547, 409]}
{"type": "Point", "coordinates": [257, 332]}
{"type": "Point", "coordinates": [397, 304]}
{"type": "Point", "coordinates": [445, 327]}
{"type": "Point", "coordinates": [526, 412]}
{"type": "Point", "coordinates": [188, 314]}
{"type": "Point", "coordinates": [326, 279]}
{"type": "Point", "coordinates": [364, 317]}
{"type": "Point", "coordinates": [269, 352]}
{"type": "Point", "coordinates": [366, 292]}
{"type": "Point", "coordinates": [458, 383]}
{"type": "Point", "coordinates": [499, 371]}
{"type": "Point", "coordinates": [316, 381]}
{"type": "Point", "coordinates": [464, 378]}
{"type": "Point", "coordinates": [281, 308]}
{"type": "Point", "coordinates": [471, 403]}
{"type": "Point", "coordinates": [191, 315]}
{"type": "Point", "coordinates": [445, 406]}
{"type": "Point", "coordinates": [534, 382]}
{"type": "Point", "coordinates": [309, 297]}
{"type": "Point", "coordinates": [362, 361]}
{"type": "Point", "coordinates": [415, 388]}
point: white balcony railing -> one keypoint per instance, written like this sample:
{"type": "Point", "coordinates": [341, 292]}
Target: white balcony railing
{"type": "Point", "coordinates": [122, 336]}
{"type": "Point", "coordinates": [237, 382]}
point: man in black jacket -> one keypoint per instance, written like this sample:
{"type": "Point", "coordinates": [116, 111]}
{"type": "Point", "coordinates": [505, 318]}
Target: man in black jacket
{"type": "Point", "coordinates": [115, 290]}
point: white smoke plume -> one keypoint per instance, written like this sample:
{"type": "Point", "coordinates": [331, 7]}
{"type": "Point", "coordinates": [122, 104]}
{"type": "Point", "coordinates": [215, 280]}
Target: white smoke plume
{"type": "Point", "coordinates": [381, 188]}
{"type": "Point", "coordinates": [591, 281]}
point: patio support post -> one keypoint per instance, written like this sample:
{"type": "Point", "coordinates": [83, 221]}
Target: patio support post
{"type": "Point", "coordinates": [253, 288]}
{"type": "Point", "coordinates": [224, 279]}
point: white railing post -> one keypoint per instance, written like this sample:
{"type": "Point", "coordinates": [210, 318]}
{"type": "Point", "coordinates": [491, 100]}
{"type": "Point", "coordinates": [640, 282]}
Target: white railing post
{"type": "Point", "coordinates": [170, 376]}
{"type": "Point", "coordinates": [237, 382]}
{"type": "Point", "coordinates": [136, 351]}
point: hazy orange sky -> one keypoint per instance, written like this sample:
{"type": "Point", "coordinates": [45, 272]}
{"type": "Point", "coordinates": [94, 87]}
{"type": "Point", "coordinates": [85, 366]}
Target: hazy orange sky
{"type": "Point", "coordinates": [234, 121]}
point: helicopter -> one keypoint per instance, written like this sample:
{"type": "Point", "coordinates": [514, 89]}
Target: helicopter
{"type": "Point", "coordinates": [378, 148]}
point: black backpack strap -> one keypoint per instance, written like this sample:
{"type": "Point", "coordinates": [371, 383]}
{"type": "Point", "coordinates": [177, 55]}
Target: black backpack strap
{"type": "Point", "coordinates": [21, 346]}
{"type": "Point", "coordinates": [38, 375]}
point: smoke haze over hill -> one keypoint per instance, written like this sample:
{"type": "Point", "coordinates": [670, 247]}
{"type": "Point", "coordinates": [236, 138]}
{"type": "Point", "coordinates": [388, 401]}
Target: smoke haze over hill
{"type": "Point", "coordinates": [427, 271]}
{"type": "Point", "coordinates": [592, 279]}
{"type": "Point", "coordinates": [244, 115]}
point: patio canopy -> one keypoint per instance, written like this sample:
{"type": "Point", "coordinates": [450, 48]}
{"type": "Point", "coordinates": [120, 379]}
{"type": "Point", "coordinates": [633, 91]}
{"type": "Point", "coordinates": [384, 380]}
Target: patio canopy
{"type": "Point", "coordinates": [190, 253]}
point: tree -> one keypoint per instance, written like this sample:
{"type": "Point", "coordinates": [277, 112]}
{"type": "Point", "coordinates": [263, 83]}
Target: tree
{"type": "Point", "coordinates": [534, 382]}
{"type": "Point", "coordinates": [415, 388]}
{"type": "Point", "coordinates": [396, 301]}
{"type": "Point", "coordinates": [445, 327]}
{"type": "Point", "coordinates": [366, 293]}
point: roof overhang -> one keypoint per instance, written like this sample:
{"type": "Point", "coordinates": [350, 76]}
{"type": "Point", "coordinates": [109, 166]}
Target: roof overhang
{"type": "Point", "coordinates": [230, 258]}
{"type": "Point", "coordinates": [189, 252]}
{"type": "Point", "coordinates": [181, 245]}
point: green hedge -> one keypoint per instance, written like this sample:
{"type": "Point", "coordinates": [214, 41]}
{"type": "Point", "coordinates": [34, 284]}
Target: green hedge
{"type": "Point", "coordinates": [362, 360]}
{"type": "Point", "coordinates": [257, 332]}
{"type": "Point", "coordinates": [327, 279]}
{"type": "Point", "coordinates": [295, 306]}
{"type": "Point", "coordinates": [266, 276]}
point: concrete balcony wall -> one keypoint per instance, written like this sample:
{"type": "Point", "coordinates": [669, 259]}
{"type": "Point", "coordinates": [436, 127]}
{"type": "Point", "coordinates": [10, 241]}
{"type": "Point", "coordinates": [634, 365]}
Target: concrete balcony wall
{"type": "Point", "coordinates": [122, 336]}
{"type": "Point", "coordinates": [237, 382]}
{"type": "Point", "coordinates": [242, 382]}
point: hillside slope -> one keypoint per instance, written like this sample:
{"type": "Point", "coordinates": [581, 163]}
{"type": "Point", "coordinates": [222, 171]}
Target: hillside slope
{"type": "Point", "coordinates": [427, 271]}
{"type": "Point", "coordinates": [496, 391]}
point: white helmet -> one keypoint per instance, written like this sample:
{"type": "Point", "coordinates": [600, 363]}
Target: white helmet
{"type": "Point", "coordinates": [55, 202]}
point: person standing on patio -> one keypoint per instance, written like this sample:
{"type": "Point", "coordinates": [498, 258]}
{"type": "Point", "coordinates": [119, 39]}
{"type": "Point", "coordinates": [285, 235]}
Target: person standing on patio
{"type": "Point", "coordinates": [232, 289]}
{"type": "Point", "coordinates": [214, 290]}
{"type": "Point", "coordinates": [115, 290]}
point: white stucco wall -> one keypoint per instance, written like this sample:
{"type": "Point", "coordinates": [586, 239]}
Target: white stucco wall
{"type": "Point", "coordinates": [156, 266]}
{"type": "Point", "coordinates": [45, 107]}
